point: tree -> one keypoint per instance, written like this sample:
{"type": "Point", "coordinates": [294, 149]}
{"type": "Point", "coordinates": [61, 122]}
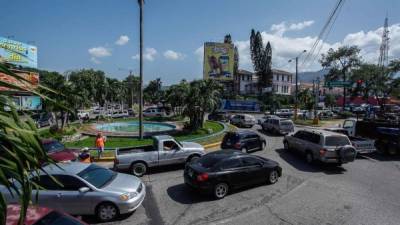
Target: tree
{"type": "Point", "coordinates": [228, 39]}
{"type": "Point", "coordinates": [22, 155]}
{"type": "Point", "coordinates": [153, 92]}
{"type": "Point", "coordinates": [176, 96]}
{"type": "Point", "coordinates": [330, 100]}
{"type": "Point", "coordinates": [262, 59]}
{"type": "Point", "coordinates": [307, 99]}
{"type": "Point", "coordinates": [131, 84]}
{"type": "Point", "coordinates": [340, 63]}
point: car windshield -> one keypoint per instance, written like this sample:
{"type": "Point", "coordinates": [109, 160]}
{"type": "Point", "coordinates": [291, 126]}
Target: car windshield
{"type": "Point", "coordinates": [208, 161]}
{"type": "Point", "coordinates": [53, 146]}
{"type": "Point", "coordinates": [56, 218]}
{"type": "Point", "coordinates": [286, 123]}
{"type": "Point", "coordinates": [336, 141]}
{"type": "Point", "coordinates": [97, 175]}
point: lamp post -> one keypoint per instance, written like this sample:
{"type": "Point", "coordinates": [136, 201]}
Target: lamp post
{"type": "Point", "coordinates": [141, 2]}
{"type": "Point", "coordinates": [297, 88]}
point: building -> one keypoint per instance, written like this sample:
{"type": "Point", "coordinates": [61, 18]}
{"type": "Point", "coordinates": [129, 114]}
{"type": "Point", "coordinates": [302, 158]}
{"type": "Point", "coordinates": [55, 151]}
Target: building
{"type": "Point", "coordinates": [246, 82]}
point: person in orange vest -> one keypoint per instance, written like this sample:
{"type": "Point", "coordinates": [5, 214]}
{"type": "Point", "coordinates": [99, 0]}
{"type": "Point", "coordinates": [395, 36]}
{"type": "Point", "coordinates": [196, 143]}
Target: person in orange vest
{"type": "Point", "coordinates": [100, 142]}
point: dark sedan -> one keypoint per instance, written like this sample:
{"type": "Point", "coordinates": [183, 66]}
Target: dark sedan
{"type": "Point", "coordinates": [219, 172]}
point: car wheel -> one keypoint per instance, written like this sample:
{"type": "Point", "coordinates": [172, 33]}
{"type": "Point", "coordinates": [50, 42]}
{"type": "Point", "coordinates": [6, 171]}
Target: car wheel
{"type": "Point", "coordinates": [193, 159]}
{"type": "Point", "coordinates": [138, 169]}
{"type": "Point", "coordinates": [273, 177]}
{"type": "Point", "coordinates": [106, 212]}
{"type": "Point", "coordinates": [221, 190]}
{"type": "Point", "coordinates": [309, 158]}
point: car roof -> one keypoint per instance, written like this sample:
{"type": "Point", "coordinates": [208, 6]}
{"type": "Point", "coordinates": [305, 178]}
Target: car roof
{"type": "Point", "coordinates": [323, 132]}
{"type": "Point", "coordinates": [65, 168]}
{"type": "Point", "coordinates": [163, 137]}
{"type": "Point", "coordinates": [244, 132]}
{"type": "Point", "coordinates": [226, 153]}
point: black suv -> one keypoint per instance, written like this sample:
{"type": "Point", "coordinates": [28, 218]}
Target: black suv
{"type": "Point", "coordinates": [219, 116]}
{"type": "Point", "coordinates": [243, 140]}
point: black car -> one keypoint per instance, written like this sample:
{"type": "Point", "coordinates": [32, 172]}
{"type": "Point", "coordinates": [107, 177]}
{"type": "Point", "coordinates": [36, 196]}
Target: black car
{"type": "Point", "coordinates": [243, 140]}
{"type": "Point", "coordinates": [219, 116]}
{"type": "Point", "coordinates": [218, 172]}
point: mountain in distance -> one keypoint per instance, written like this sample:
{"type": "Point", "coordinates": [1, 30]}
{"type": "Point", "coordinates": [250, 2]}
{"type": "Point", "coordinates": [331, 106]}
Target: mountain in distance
{"type": "Point", "coordinates": [312, 75]}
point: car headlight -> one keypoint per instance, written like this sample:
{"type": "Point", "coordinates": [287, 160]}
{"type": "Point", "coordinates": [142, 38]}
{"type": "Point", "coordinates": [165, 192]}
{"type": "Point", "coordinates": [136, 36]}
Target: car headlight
{"type": "Point", "coordinates": [127, 196]}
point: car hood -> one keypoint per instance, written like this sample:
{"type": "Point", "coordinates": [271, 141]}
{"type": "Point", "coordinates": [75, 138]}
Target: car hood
{"type": "Point", "coordinates": [192, 145]}
{"type": "Point", "coordinates": [64, 155]}
{"type": "Point", "coordinates": [123, 183]}
{"type": "Point", "coordinates": [271, 163]}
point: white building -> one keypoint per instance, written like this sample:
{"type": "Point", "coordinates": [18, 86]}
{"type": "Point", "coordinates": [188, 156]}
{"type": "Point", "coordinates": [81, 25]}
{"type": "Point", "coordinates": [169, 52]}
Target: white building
{"type": "Point", "coordinates": [246, 82]}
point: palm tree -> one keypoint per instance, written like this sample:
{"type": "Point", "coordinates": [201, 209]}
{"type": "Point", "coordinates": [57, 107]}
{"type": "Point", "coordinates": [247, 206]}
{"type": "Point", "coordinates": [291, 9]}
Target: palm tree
{"type": "Point", "coordinates": [21, 152]}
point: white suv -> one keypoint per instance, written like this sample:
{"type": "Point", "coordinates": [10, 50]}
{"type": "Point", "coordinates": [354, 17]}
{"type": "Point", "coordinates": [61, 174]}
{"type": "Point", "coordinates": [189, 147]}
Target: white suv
{"type": "Point", "coordinates": [244, 120]}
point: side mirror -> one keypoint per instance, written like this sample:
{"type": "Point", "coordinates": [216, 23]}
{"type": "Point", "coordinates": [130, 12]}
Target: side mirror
{"type": "Point", "coordinates": [83, 190]}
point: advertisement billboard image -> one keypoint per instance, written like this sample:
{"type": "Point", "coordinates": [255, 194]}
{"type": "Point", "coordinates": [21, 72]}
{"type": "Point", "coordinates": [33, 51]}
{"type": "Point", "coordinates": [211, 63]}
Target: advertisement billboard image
{"type": "Point", "coordinates": [31, 103]}
{"type": "Point", "coordinates": [218, 61]}
{"type": "Point", "coordinates": [18, 53]}
{"type": "Point", "coordinates": [32, 77]}
{"type": "Point", "coordinates": [240, 106]}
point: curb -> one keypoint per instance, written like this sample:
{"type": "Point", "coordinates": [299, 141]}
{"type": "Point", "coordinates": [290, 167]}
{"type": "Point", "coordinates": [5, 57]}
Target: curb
{"type": "Point", "coordinates": [212, 145]}
{"type": "Point", "coordinates": [103, 159]}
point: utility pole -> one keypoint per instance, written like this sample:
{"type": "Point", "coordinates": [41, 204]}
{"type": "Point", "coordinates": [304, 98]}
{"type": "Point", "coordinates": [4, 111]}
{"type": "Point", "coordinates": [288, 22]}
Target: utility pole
{"type": "Point", "coordinates": [296, 103]}
{"type": "Point", "coordinates": [316, 119]}
{"type": "Point", "coordinates": [141, 2]}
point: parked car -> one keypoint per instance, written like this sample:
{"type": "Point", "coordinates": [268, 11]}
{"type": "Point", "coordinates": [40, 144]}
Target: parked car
{"type": "Point", "coordinates": [57, 151]}
{"type": "Point", "coordinates": [153, 111]}
{"type": "Point", "coordinates": [284, 113]}
{"type": "Point", "coordinates": [43, 120]}
{"type": "Point", "coordinates": [83, 114]}
{"type": "Point", "coordinates": [87, 189]}
{"type": "Point", "coordinates": [36, 215]}
{"type": "Point", "coordinates": [321, 145]}
{"type": "Point", "coordinates": [165, 150]}
{"type": "Point", "coordinates": [219, 116]}
{"type": "Point", "coordinates": [244, 140]}
{"type": "Point", "coordinates": [243, 120]}
{"type": "Point", "coordinates": [362, 145]}
{"type": "Point", "coordinates": [221, 171]}
{"type": "Point", "coordinates": [278, 125]}
{"type": "Point", "coordinates": [131, 112]}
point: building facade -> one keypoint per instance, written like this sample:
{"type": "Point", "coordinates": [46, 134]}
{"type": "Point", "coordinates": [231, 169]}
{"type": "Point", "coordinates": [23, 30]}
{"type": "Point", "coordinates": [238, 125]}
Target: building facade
{"type": "Point", "coordinates": [246, 82]}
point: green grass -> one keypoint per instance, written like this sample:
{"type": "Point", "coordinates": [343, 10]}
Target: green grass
{"type": "Point", "coordinates": [113, 142]}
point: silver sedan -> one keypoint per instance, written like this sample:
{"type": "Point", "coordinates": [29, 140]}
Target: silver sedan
{"type": "Point", "coordinates": [86, 189]}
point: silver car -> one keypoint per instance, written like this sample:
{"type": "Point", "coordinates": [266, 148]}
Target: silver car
{"type": "Point", "coordinates": [87, 189]}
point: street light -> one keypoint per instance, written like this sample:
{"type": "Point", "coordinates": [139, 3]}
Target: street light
{"type": "Point", "coordinates": [297, 88]}
{"type": "Point", "coordinates": [141, 2]}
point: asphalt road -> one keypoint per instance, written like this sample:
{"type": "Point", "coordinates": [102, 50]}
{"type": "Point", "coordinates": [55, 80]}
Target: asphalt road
{"type": "Point", "coordinates": [366, 191]}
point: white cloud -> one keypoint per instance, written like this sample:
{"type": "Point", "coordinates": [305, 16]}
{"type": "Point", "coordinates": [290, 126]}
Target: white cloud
{"type": "Point", "coordinates": [281, 28]}
{"type": "Point", "coordinates": [285, 48]}
{"type": "Point", "coordinates": [149, 54]}
{"type": "Point", "coordinates": [172, 55]}
{"type": "Point", "coordinates": [99, 52]}
{"type": "Point", "coordinates": [122, 40]}
{"type": "Point", "coordinates": [199, 52]}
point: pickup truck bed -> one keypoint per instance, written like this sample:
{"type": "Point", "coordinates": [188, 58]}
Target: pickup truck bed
{"type": "Point", "coordinates": [144, 148]}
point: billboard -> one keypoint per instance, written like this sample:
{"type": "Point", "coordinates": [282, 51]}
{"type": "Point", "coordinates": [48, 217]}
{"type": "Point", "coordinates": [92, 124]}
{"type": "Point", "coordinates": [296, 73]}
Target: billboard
{"type": "Point", "coordinates": [240, 105]}
{"type": "Point", "coordinates": [218, 61]}
{"type": "Point", "coordinates": [32, 77]}
{"type": "Point", "coordinates": [31, 103]}
{"type": "Point", "coordinates": [18, 53]}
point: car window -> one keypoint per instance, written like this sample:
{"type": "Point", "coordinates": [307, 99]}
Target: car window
{"type": "Point", "coordinates": [56, 218]}
{"type": "Point", "coordinates": [298, 134]}
{"type": "Point", "coordinates": [46, 182]}
{"type": "Point", "coordinates": [97, 176]}
{"type": "Point", "coordinates": [315, 138]}
{"type": "Point", "coordinates": [170, 145]}
{"type": "Point", "coordinates": [231, 137]}
{"type": "Point", "coordinates": [231, 164]}
{"type": "Point", "coordinates": [70, 183]}
{"type": "Point", "coordinates": [250, 161]}
{"type": "Point", "coordinates": [348, 124]}
{"type": "Point", "coordinates": [209, 160]}
{"type": "Point", "coordinates": [53, 146]}
{"type": "Point", "coordinates": [336, 141]}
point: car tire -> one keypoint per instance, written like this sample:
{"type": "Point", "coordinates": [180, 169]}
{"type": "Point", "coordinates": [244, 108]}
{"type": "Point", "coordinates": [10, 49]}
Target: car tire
{"type": "Point", "coordinates": [138, 169]}
{"type": "Point", "coordinates": [309, 157]}
{"type": "Point", "coordinates": [192, 159]}
{"type": "Point", "coordinates": [273, 177]}
{"type": "Point", "coordinates": [221, 190]}
{"type": "Point", "coordinates": [106, 212]}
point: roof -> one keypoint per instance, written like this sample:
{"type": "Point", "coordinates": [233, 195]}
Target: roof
{"type": "Point", "coordinates": [323, 132]}
{"type": "Point", "coordinates": [66, 168]}
{"type": "Point", "coordinates": [244, 132]}
{"type": "Point", "coordinates": [226, 152]}
{"type": "Point", "coordinates": [281, 71]}
{"type": "Point", "coordinates": [245, 72]}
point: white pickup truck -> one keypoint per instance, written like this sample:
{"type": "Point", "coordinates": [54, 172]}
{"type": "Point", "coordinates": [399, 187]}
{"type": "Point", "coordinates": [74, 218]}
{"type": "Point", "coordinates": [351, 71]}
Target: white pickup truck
{"type": "Point", "coordinates": [362, 145]}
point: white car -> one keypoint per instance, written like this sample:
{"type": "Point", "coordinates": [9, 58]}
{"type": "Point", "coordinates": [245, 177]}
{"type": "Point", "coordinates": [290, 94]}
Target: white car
{"type": "Point", "coordinates": [150, 112]}
{"type": "Point", "coordinates": [243, 120]}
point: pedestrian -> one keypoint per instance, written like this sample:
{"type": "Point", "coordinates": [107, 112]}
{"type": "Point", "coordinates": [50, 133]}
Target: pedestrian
{"type": "Point", "coordinates": [100, 142]}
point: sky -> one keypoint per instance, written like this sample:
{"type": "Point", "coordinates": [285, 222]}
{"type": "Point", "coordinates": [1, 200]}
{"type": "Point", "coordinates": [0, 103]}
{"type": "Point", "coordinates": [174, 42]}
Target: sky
{"type": "Point", "coordinates": [104, 34]}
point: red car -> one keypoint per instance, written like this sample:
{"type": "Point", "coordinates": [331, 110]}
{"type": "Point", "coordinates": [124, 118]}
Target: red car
{"type": "Point", "coordinates": [57, 151]}
{"type": "Point", "coordinates": [36, 215]}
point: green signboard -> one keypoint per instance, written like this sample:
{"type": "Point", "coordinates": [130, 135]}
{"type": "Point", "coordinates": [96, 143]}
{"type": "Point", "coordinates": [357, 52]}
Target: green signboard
{"type": "Point", "coordinates": [338, 84]}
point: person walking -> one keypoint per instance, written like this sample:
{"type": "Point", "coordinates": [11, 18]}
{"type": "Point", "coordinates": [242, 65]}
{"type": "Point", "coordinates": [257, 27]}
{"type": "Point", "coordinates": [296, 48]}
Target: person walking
{"type": "Point", "coordinates": [100, 142]}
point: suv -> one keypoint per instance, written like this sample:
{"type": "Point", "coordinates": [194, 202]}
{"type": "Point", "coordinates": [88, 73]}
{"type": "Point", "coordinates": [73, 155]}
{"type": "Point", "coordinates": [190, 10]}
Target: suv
{"type": "Point", "coordinates": [149, 112]}
{"type": "Point", "coordinates": [243, 140]}
{"type": "Point", "coordinates": [219, 116]}
{"type": "Point", "coordinates": [278, 125]}
{"type": "Point", "coordinates": [243, 120]}
{"type": "Point", "coordinates": [321, 145]}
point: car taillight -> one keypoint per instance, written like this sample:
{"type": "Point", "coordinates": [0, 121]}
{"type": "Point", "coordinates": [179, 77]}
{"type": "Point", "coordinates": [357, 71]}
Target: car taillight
{"type": "Point", "coordinates": [237, 145]}
{"type": "Point", "coordinates": [202, 177]}
{"type": "Point", "coordinates": [322, 152]}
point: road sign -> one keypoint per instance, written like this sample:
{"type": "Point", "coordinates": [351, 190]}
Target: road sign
{"type": "Point", "coordinates": [338, 84]}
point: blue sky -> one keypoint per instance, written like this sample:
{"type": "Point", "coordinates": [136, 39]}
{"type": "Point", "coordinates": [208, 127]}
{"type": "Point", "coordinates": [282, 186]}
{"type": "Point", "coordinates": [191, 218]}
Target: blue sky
{"type": "Point", "coordinates": [78, 34]}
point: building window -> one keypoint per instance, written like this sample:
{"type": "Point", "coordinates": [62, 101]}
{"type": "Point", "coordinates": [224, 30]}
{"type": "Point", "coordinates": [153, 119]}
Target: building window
{"type": "Point", "coordinates": [277, 77]}
{"type": "Point", "coordinates": [283, 77]}
{"type": "Point", "coordinates": [288, 78]}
